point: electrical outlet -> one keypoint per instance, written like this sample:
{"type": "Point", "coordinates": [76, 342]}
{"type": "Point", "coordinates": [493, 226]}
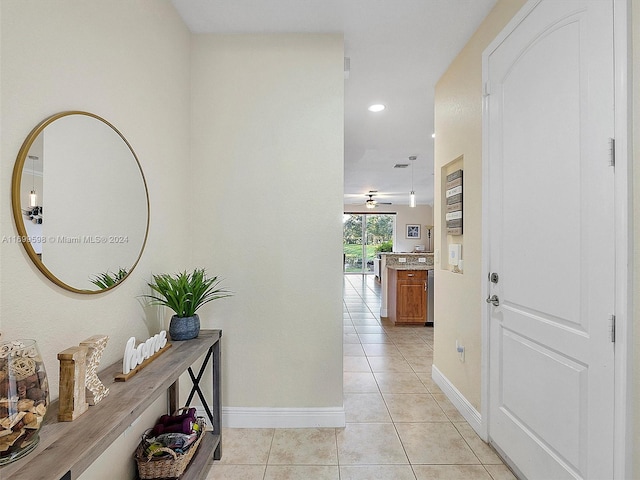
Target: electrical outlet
{"type": "Point", "coordinates": [402, 260]}
{"type": "Point", "coordinates": [422, 260]}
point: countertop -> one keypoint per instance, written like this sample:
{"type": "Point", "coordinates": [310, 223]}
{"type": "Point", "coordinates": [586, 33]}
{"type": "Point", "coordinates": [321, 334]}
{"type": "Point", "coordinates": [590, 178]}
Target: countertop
{"type": "Point", "coordinates": [411, 266]}
{"type": "Point", "coordinates": [402, 254]}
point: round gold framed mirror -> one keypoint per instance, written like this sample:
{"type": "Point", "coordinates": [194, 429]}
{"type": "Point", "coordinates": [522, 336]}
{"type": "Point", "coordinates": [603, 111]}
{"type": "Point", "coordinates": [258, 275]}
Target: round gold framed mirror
{"type": "Point", "coordinates": [80, 202]}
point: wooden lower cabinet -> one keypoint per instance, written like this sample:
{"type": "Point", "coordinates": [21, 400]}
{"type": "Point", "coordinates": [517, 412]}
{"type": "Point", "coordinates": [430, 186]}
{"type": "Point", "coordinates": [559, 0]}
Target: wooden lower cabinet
{"type": "Point", "coordinates": [407, 296]}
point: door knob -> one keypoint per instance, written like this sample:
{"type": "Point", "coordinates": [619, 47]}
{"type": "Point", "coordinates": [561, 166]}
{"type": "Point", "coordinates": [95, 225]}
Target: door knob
{"type": "Point", "coordinates": [493, 299]}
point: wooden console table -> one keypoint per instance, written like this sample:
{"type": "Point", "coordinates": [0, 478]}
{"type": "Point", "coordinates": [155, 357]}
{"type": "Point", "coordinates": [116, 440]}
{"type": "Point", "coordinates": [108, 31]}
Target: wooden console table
{"type": "Point", "coordinates": [67, 449]}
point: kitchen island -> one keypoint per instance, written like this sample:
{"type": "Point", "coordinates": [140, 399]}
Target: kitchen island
{"type": "Point", "coordinates": [421, 261]}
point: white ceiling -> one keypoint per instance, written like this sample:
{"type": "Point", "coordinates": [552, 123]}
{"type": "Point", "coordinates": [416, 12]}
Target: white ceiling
{"type": "Point", "coordinates": [398, 49]}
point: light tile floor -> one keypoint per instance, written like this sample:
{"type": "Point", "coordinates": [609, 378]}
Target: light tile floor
{"type": "Point", "coordinates": [400, 426]}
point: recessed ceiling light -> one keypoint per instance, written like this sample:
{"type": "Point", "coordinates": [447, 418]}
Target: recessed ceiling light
{"type": "Point", "coordinates": [378, 107]}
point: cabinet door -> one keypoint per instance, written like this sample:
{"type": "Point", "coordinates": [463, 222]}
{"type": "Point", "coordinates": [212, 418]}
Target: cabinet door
{"type": "Point", "coordinates": [412, 301]}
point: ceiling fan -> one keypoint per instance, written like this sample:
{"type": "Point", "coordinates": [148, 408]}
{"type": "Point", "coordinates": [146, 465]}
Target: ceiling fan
{"type": "Point", "coordinates": [371, 203]}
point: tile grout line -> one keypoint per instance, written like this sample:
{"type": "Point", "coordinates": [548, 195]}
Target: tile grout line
{"type": "Point", "coordinates": [273, 436]}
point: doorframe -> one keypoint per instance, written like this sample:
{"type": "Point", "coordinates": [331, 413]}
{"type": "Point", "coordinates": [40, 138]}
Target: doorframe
{"type": "Point", "coordinates": [623, 211]}
{"type": "Point", "coordinates": [623, 391]}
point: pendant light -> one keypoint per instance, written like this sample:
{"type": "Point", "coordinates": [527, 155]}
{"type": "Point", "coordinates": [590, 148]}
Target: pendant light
{"type": "Point", "coordinates": [33, 196]}
{"type": "Point", "coordinates": [412, 195]}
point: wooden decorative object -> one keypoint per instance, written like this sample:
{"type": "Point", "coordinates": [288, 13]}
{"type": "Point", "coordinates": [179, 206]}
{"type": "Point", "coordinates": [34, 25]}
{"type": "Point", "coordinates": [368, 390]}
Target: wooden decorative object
{"type": "Point", "coordinates": [72, 396]}
{"type": "Point", "coordinates": [453, 196]}
{"type": "Point", "coordinates": [96, 390]}
{"type": "Point", "coordinates": [121, 377]}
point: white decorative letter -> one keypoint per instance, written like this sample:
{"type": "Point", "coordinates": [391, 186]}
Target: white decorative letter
{"type": "Point", "coordinates": [134, 356]}
{"type": "Point", "coordinates": [130, 356]}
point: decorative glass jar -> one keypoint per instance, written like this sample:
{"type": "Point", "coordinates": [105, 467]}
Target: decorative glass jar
{"type": "Point", "coordinates": [24, 398]}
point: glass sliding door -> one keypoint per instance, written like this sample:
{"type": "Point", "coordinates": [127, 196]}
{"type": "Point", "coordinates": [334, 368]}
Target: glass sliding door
{"type": "Point", "coordinates": [363, 236]}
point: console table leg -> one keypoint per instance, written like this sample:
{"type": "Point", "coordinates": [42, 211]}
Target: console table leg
{"type": "Point", "coordinates": [196, 385]}
{"type": "Point", "coordinates": [217, 399]}
{"type": "Point", "coordinates": [174, 396]}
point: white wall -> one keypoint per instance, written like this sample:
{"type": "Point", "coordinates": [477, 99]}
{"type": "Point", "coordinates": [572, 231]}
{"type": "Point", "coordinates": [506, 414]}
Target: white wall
{"type": "Point", "coordinates": [267, 131]}
{"type": "Point", "coordinates": [129, 63]}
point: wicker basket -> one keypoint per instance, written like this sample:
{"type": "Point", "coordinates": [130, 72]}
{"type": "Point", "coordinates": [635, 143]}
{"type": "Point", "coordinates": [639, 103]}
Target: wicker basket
{"type": "Point", "coordinates": [165, 467]}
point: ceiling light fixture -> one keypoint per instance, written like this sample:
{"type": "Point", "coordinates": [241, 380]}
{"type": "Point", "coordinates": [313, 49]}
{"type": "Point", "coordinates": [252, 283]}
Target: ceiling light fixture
{"type": "Point", "coordinates": [412, 195]}
{"type": "Point", "coordinates": [377, 107]}
{"type": "Point", "coordinates": [371, 203]}
{"type": "Point", "coordinates": [33, 197]}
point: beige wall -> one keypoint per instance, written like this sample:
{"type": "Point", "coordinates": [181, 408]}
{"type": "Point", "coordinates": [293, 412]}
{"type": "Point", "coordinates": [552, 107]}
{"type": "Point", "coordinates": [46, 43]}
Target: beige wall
{"type": "Point", "coordinates": [250, 152]}
{"type": "Point", "coordinates": [129, 63]}
{"type": "Point", "coordinates": [458, 121]}
{"type": "Point", "coordinates": [266, 212]}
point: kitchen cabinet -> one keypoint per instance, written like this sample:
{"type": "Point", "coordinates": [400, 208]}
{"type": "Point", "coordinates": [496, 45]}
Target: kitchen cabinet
{"type": "Point", "coordinates": [407, 296]}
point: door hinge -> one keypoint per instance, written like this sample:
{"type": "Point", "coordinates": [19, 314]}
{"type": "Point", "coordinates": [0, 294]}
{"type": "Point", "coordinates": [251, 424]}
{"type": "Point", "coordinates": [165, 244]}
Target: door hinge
{"type": "Point", "coordinates": [487, 89]}
{"type": "Point", "coordinates": [612, 327]}
{"type": "Point", "coordinates": [612, 152]}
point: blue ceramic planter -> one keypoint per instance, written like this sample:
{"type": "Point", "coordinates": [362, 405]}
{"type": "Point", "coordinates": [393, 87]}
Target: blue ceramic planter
{"type": "Point", "coordinates": [184, 328]}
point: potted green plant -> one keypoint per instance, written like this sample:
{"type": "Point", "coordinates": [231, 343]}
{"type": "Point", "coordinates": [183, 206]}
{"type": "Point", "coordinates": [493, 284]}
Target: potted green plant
{"type": "Point", "coordinates": [385, 247]}
{"type": "Point", "coordinates": [108, 279]}
{"type": "Point", "coordinates": [185, 293]}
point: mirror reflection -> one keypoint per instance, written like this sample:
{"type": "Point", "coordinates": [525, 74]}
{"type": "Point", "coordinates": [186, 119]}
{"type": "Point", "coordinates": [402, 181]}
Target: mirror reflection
{"type": "Point", "coordinates": [80, 200]}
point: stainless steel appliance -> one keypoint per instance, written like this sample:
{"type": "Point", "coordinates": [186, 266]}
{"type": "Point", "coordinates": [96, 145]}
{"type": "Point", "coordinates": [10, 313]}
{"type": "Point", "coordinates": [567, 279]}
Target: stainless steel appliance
{"type": "Point", "coordinates": [429, 298]}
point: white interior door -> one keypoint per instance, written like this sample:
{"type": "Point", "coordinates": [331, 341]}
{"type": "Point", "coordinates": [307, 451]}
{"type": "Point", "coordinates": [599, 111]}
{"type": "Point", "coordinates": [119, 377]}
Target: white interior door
{"type": "Point", "coordinates": [549, 115]}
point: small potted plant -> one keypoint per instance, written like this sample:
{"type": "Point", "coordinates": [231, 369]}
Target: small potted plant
{"type": "Point", "coordinates": [185, 293]}
{"type": "Point", "coordinates": [108, 279]}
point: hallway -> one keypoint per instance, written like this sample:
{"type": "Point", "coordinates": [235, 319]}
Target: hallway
{"type": "Point", "coordinates": [400, 426]}
{"type": "Point", "coordinates": [388, 387]}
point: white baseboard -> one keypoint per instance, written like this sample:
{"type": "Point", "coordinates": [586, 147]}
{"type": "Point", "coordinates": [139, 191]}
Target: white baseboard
{"type": "Point", "coordinates": [471, 415]}
{"type": "Point", "coordinates": [383, 312]}
{"type": "Point", "coordinates": [246, 417]}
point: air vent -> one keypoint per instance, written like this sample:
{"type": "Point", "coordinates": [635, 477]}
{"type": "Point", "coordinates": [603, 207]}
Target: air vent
{"type": "Point", "coordinates": [401, 165]}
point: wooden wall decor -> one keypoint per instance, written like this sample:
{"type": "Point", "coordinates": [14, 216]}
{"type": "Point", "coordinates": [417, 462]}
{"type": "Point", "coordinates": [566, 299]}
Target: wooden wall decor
{"type": "Point", "coordinates": [72, 395]}
{"type": "Point", "coordinates": [453, 197]}
{"type": "Point", "coordinates": [96, 390]}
